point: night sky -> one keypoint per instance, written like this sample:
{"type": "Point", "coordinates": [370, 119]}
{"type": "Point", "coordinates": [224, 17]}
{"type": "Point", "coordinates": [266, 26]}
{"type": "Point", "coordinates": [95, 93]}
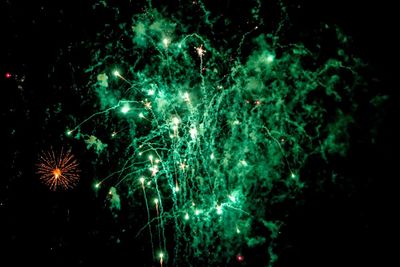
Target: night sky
{"type": "Point", "coordinates": [46, 48]}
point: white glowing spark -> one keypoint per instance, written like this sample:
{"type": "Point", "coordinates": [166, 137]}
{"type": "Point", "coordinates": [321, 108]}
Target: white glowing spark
{"type": "Point", "coordinates": [154, 169]}
{"type": "Point", "coordinates": [186, 97]}
{"type": "Point", "coordinates": [166, 41]}
{"type": "Point", "coordinates": [125, 109]}
{"type": "Point", "coordinates": [200, 51]}
{"type": "Point", "coordinates": [219, 209]}
{"type": "Point", "coordinates": [193, 133]}
{"type": "Point", "coordinates": [182, 166]}
{"type": "Point", "coordinates": [147, 104]}
{"type": "Point", "coordinates": [243, 162]}
{"type": "Point", "coordinates": [175, 120]}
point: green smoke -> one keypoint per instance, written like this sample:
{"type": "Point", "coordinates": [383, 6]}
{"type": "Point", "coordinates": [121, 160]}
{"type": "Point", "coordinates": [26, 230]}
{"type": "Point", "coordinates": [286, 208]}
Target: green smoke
{"type": "Point", "coordinates": [216, 132]}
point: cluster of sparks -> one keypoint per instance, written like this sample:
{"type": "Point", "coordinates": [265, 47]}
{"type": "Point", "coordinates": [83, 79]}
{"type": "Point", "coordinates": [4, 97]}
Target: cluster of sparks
{"type": "Point", "coordinates": [214, 149]}
{"type": "Point", "coordinates": [58, 171]}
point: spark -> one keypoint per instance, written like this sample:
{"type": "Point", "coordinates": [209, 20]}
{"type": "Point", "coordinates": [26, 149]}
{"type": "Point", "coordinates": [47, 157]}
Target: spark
{"type": "Point", "coordinates": [182, 166]}
{"type": "Point", "coordinates": [154, 169]}
{"type": "Point", "coordinates": [117, 74]}
{"type": "Point", "coordinates": [58, 171]}
{"type": "Point", "coordinates": [186, 97]}
{"type": "Point", "coordinates": [175, 120]}
{"type": "Point", "coordinates": [244, 163]}
{"type": "Point", "coordinates": [239, 258]}
{"type": "Point", "coordinates": [270, 58]}
{"type": "Point", "coordinates": [147, 104]}
{"type": "Point", "coordinates": [193, 133]}
{"type": "Point", "coordinates": [161, 259]}
{"type": "Point", "coordinates": [166, 41]}
{"type": "Point", "coordinates": [200, 51]}
{"type": "Point", "coordinates": [125, 108]}
{"type": "Point", "coordinates": [156, 202]}
{"type": "Point", "coordinates": [219, 209]}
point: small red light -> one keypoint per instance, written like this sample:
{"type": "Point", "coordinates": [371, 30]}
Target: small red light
{"type": "Point", "coordinates": [239, 258]}
{"type": "Point", "coordinates": [8, 75]}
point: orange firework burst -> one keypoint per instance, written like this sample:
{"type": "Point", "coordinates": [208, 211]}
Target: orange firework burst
{"type": "Point", "coordinates": [58, 171]}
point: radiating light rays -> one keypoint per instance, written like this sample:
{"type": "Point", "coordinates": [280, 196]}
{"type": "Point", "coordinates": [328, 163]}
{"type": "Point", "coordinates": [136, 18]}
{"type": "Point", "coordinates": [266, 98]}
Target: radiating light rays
{"type": "Point", "coordinates": [58, 171]}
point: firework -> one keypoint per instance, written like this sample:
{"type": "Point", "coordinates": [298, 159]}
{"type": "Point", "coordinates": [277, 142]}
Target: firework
{"type": "Point", "coordinates": [216, 138]}
{"type": "Point", "coordinates": [58, 171]}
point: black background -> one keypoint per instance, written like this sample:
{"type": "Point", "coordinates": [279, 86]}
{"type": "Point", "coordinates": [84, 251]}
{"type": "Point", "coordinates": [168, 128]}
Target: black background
{"type": "Point", "coordinates": [346, 223]}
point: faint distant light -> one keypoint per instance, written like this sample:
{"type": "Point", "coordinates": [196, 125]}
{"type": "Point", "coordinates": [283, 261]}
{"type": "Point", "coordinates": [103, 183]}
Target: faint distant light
{"type": "Point", "coordinates": [8, 75]}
